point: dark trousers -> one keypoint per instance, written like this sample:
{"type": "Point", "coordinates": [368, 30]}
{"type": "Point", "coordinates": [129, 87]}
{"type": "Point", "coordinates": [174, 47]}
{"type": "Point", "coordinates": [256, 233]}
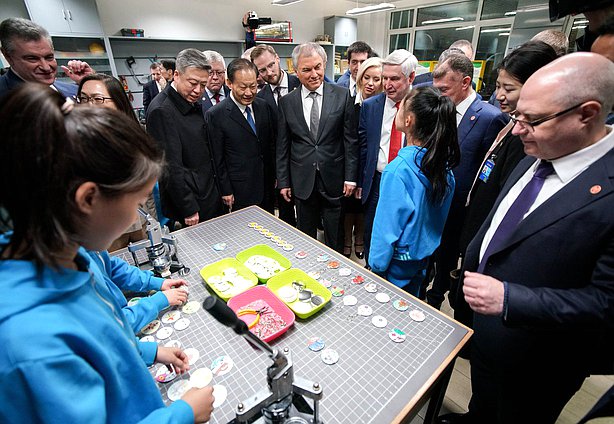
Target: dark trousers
{"type": "Point", "coordinates": [318, 206]}
{"type": "Point", "coordinates": [286, 209]}
{"type": "Point", "coordinates": [370, 207]}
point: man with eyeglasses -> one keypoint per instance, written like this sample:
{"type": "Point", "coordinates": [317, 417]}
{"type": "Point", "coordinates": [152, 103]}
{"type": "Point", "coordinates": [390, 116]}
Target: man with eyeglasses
{"type": "Point", "coordinates": [188, 190]}
{"type": "Point", "coordinates": [539, 274]}
{"type": "Point", "coordinates": [216, 90]}
{"type": "Point", "coordinates": [29, 51]}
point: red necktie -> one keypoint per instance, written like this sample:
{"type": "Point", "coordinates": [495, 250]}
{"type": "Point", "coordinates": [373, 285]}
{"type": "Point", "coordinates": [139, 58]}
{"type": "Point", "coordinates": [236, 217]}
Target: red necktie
{"type": "Point", "coordinates": [396, 137]}
{"type": "Point", "coordinates": [216, 97]}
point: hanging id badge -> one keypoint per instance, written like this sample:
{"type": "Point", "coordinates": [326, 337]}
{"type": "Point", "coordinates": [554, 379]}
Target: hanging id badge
{"type": "Point", "coordinates": [486, 170]}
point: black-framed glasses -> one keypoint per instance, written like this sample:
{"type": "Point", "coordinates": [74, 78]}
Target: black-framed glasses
{"type": "Point", "coordinates": [97, 100]}
{"type": "Point", "coordinates": [532, 124]}
{"type": "Point", "coordinates": [217, 73]}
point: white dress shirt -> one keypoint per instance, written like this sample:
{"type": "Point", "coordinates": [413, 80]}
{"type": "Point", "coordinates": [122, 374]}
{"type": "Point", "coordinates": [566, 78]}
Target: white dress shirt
{"type": "Point", "coordinates": [160, 88]}
{"type": "Point", "coordinates": [308, 102]}
{"type": "Point", "coordinates": [210, 94]}
{"type": "Point", "coordinates": [566, 169]}
{"type": "Point", "coordinates": [282, 84]}
{"type": "Point", "coordinates": [243, 108]}
{"type": "Point", "coordinates": [352, 85]}
{"type": "Point", "coordinates": [390, 111]}
{"type": "Point", "coordinates": [462, 107]}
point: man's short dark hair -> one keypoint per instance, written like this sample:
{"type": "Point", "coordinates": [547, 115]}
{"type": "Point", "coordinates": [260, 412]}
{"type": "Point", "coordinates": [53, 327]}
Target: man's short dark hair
{"type": "Point", "coordinates": [154, 65]}
{"type": "Point", "coordinates": [456, 63]}
{"type": "Point", "coordinates": [168, 64]}
{"type": "Point", "coordinates": [240, 65]}
{"type": "Point", "coordinates": [360, 47]}
{"type": "Point", "coordinates": [22, 29]}
{"type": "Point", "coordinates": [607, 28]}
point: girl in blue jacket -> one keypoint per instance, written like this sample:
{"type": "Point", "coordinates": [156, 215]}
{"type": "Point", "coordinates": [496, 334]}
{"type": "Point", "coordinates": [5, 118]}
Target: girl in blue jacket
{"type": "Point", "coordinates": [67, 352]}
{"type": "Point", "coordinates": [416, 190]}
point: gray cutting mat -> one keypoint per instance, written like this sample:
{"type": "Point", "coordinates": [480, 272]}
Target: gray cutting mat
{"type": "Point", "coordinates": [374, 379]}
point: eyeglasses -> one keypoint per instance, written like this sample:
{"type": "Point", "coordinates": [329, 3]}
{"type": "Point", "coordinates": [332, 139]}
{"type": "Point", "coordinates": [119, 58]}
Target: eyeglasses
{"type": "Point", "coordinates": [97, 100]}
{"type": "Point", "coordinates": [217, 73]}
{"type": "Point", "coordinates": [532, 124]}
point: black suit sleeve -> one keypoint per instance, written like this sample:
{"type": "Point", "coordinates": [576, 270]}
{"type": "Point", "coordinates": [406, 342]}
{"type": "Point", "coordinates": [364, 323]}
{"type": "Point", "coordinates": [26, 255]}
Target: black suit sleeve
{"type": "Point", "coordinates": [216, 138]}
{"type": "Point", "coordinates": [283, 148]}
{"type": "Point", "coordinates": [350, 138]}
{"type": "Point", "coordinates": [162, 127]}
{"type": "Point", "coordinates": [146, 96]}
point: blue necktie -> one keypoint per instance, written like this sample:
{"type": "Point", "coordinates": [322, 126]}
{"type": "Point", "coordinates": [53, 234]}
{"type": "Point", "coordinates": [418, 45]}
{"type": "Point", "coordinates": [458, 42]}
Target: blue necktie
{"type": "Point", "coordinates": [250, 120]}
{"type": "Point", "coordinates": [517, 211]}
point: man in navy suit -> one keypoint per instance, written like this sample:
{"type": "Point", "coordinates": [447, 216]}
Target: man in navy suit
{"type": "Point", "coordinates": [241, 131]}
{"type": "Point", "coordinates": [478, 125]}
{"type": "Point", "coordinates": [28, 49]}
{"type": "Point", "coordinates": [216, 90]}
{"type": "Point", "coordinates": [278, 84]}
{"type": "Point", "coordinates": [357, 52]}
{"type": "Point", "coordinates": [153, 87]}
{"type": "Point", "coordinates": [539, 275]}
{"type": "Point", "coordinates": [375, 127]}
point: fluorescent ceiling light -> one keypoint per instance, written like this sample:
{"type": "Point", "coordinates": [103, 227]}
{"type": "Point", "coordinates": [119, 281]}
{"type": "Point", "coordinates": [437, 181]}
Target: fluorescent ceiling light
{"type": "Point", "coordinates": [370, 9]}
{"type": "Point", "coordinates": [284, 2]}
{"type": "Point", "coordinates": [512, 13]}
{"type": "Point", "coordinates": [464, 28]}
{"type": "Point", "coordinates": [439, 21]}
{"type": "Point", "coordinates": [579, 27]}
{"type": "Point", "coordinates": [581, 21]}
{"type": "Point", "coordinates": [504, 33]}
{"type": "Point", "coordinates": [495, 30]}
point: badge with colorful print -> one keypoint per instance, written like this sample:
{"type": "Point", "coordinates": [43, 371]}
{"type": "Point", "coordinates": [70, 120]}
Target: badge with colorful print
{"type": "Point", "coordinates": [329, 356]}
{"type": "Point", "coordinates": [364, 310]}
{"type": "Point", "coordinates": [397, 335]}
{"type": "Point", "coordinates": [164, 374]}
{"type": "Point", "coordinates": [173, 343]}
{"type": "Point", "coordinates": [171, 316]}
{"type": "Point", "coordinates": [400, 305]}
{"type": "Point", "coordinates": [315, 344]}
{"type": "Point", "coordinates": [337, 291]}
{"type": "Point", "coordinates": [287, 247]}
{"type": "Point", "coordinates": [178, 389]}
{"type": "Point", "coordinates": [219, 246]}
{"type": "Point", "coordinates": [322, 257]}
{"type": "Point", "coordinates": [371, 287]}
{"type": "Point", "coordinates": [382, 297]}
{"type": "Point", "coordinates": [417, 315]}
{"type": "Point", "coordinates": [252, 224]}
{"type": "Point", "coordinates": [379, 321]}
{"type": "Point", "coordinates": [191, 307]}
{"type": "Point", "coordinates": [181, 324]}
{"type": "Point", "coordinates": [152, 327]}
{"type": "Point", "coordinates": [326, 283]}
{"type": "Point", "coordinates": [359, 279]}
{"type": "Point", "coordinates": [333, 265]}
{"type": "Point", "coordinates": [314, 274]}
{"type": "Point", "coordinates": [301, 254]}
{"type": "Point", "coordinates": [222, 365]}
{"type": "Point", "coordinates": [134, 301]}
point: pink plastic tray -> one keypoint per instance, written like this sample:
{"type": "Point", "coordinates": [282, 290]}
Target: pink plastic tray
{"type": "Point", "coordinates": [266, 295]}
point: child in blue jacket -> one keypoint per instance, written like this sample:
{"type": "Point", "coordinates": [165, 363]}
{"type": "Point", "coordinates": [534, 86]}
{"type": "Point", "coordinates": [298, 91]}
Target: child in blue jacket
{"type": "Point", "coordinates": [73, 180]}
{"type": "Point", "coordinates": [416, 190]}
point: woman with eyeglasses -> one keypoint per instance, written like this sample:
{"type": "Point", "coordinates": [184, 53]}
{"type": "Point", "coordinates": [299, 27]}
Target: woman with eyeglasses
{"type": "Point", "coordinates": [100, 90]}
{"type": "Point", "coordinates": [507, 149]}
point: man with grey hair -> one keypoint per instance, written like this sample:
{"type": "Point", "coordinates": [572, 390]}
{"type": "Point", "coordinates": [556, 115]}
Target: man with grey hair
{"type": "Point", "coordinates": [465, 46]}
{"type": "Point", "coordinates": [538, 274]}
{"type": "Point", "coordinates": [29, 50]}
{"type": "Point", "coordinates": [216, 89]}
{"type": "Point", "coordinates": [317, 150]}
{"type": "Point", "coordinates": [555, 39]}
{"type": "Point", "coordinates": [478, 124]}
{"type": "Point", "coordinates": [188, 190]}
{"type": "Point", "coordinates": [378, 137]}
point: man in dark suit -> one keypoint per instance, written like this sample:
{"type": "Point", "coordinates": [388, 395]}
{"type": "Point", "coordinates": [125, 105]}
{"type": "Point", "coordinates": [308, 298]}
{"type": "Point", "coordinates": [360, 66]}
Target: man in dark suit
{"type": "Point", "coordinates": [242, 131]}
{"type": "Point", "coordinates": [29, 51]}
{"type": "Point", "coordinates": [376, 130]}
{"type": "Point", "coordinates": [539, 274]}
{"type": "Point", "coordinates": [317, 151]}
{"type": "Point", "coordinates": [216, 90]}
{"type": "Point", "coordinates": [478, 126]}
{"type": "Point", "coordinates": [357, 52]}
{"type": "Point", "coordinates": [278, 83]}
{"type": "Point", "coordinates": [153, 87]}
{"type": "Point", "coordinates": [188, 190]}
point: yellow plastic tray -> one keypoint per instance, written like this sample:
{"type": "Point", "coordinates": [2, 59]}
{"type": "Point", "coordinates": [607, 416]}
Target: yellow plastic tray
{"type": "Point", "coordinates": [264, 250]}
{"type": "Point", "coordinates": [216, 268]}
{"type": "Point", "coordinates": [286, 278]}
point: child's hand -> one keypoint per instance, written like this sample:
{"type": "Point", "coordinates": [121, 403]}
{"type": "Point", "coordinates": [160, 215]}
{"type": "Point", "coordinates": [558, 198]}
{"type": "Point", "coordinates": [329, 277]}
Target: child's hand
{"type": "Point", "coordinates": [175, 357]}
{"type": "Point", "coordinates": [201, 401]}
{"type": "Point", "coordinates": [176, 296]}
{"type": "Point", "coordinates": [171, 283]}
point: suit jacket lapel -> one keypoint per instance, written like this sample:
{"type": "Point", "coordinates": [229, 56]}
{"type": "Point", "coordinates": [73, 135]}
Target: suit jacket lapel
{"type": "Point", "coordinates": [327, 102]}
{"type": "Point", "coordinates": [467, 122]}
{"type": "Point", "coordinates": [235, 114]}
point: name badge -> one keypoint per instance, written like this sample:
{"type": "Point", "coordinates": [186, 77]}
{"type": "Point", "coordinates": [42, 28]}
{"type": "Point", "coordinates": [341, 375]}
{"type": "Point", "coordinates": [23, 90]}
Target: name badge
{"type": "Point", "coordinates": [486, 170]}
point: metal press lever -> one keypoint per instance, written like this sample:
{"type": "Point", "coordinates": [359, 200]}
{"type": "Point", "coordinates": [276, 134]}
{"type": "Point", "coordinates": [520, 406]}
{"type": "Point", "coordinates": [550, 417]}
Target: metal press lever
{"type": "Point", "coordinates": [282, 401]}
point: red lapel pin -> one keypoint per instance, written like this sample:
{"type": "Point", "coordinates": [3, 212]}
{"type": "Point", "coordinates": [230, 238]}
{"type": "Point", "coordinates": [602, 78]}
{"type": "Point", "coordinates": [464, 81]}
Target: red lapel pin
{"type": "Point", "coordinates": [595, 189]}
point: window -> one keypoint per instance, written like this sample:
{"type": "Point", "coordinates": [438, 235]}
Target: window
{"type": "Point", "coordinates": [401, 19]}
{"type": "Point", "coordinates": [455, 12]}
{"type": "Point", "coordinates": [491, 49]}
{"type": "Point", "coordinates": [430, 43]}
{"type": "Point", "coordinates": [398, 41]}
{"type": "Point", "coordinates": [494, 9]}
{"type": "Point", "coordinates": [577, 30]}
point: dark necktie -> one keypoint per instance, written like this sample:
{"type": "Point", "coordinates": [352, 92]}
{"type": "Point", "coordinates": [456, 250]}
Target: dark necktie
{"type": "Point", "coordinates": [277, 93]}
{"type": "Point", "coordinates": [314, 116]}
{"type": "Point", "coordinates": [518, 210]}
{"type": "Point", "coordinates": [216, 97]}
{"type": "Point", "coordinates": [396, 137]}
{"type": "Point", "coordinates": [250, 119]}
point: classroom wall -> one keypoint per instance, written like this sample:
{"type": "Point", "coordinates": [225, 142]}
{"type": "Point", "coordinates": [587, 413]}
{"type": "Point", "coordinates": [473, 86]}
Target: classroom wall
{"type": "Point", "coordinates": [213, 20]}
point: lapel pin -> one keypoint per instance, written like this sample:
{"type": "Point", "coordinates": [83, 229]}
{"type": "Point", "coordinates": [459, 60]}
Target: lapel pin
{"type": "Point", "coordinates": [595, 189]}
{"type": "Point", "coordinates": [472, 117]}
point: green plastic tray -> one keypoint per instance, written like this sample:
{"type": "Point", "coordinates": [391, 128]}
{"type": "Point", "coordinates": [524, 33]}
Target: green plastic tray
{"type": "Point", "coordinates": [287, 277]}
{"type": "Point", "coordinates": [216, 268]}
{"type": "Point", "coordinates": [264, 250]}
